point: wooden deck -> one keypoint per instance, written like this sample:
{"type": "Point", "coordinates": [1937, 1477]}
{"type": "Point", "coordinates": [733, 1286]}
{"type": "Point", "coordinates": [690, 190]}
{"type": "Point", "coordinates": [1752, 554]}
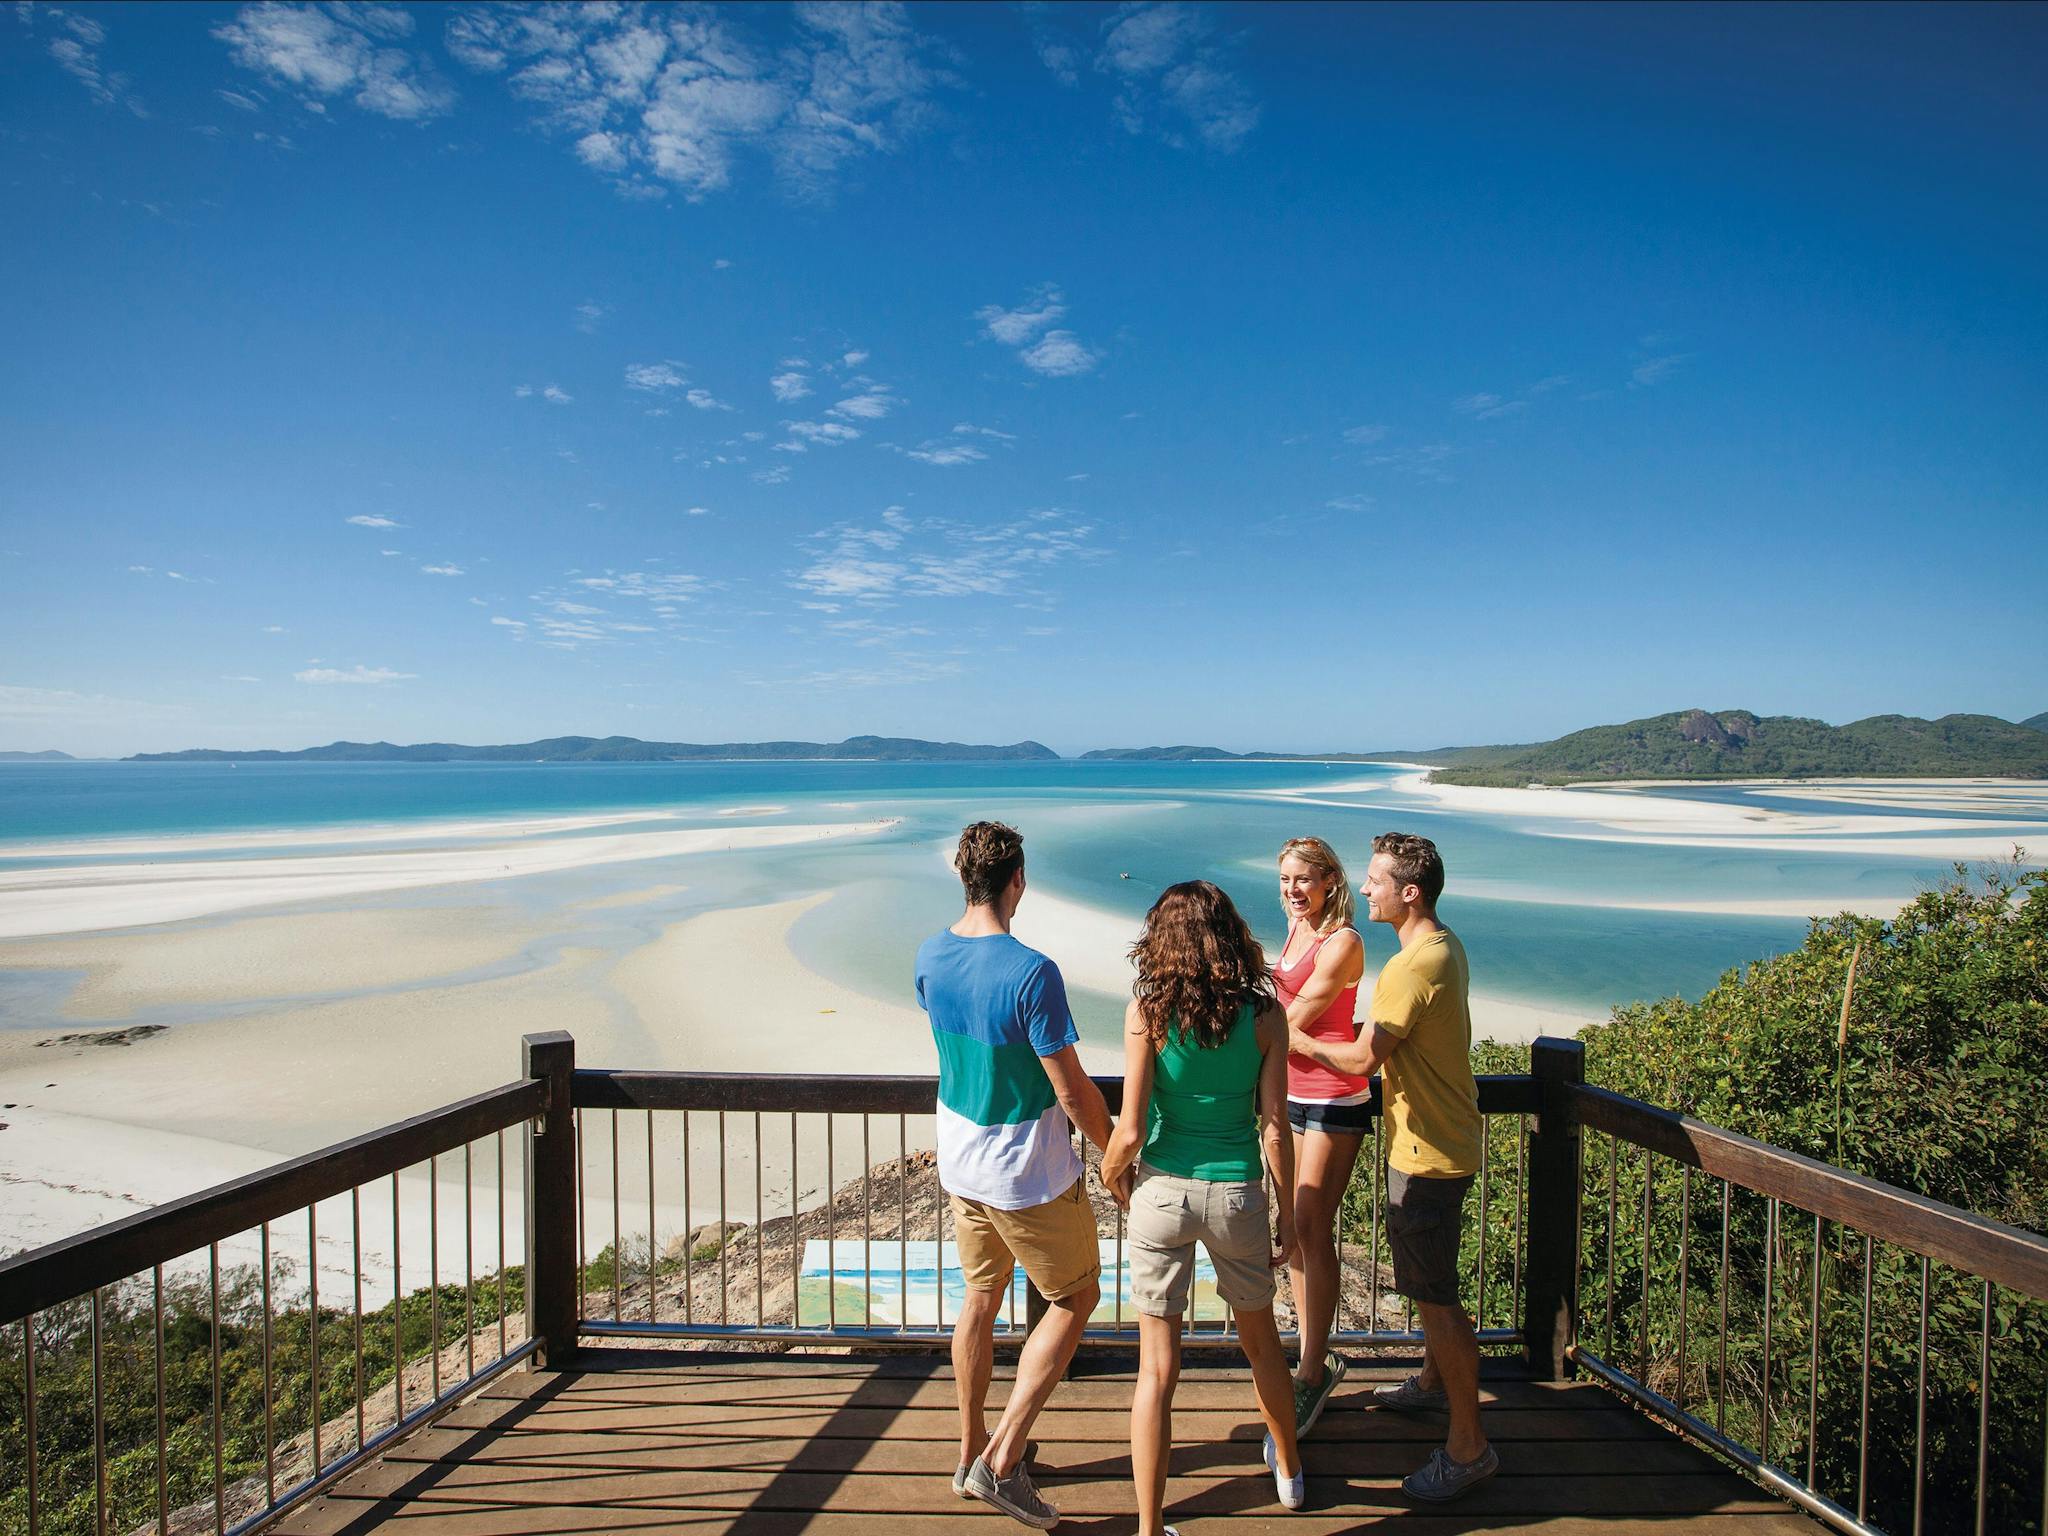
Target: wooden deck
{"type": "Point", "coordinates": [648, 1441]}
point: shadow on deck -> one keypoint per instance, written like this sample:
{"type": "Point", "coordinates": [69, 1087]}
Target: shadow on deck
{"type": "Point", "coordinates": [640, 1441]}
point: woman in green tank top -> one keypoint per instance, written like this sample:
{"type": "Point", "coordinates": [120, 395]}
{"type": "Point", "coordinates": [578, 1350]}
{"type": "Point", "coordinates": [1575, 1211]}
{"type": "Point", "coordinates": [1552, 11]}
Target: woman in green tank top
{"type": "Point", "coordinates": [1205, 1091]}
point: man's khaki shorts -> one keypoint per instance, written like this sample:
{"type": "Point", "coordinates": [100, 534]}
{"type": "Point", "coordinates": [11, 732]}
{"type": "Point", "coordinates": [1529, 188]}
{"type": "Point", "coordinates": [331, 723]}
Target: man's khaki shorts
{"type": "Point", "coordinates": [1055, 1242]}
{"type": "Point", "coordinates": [1169, 1214]}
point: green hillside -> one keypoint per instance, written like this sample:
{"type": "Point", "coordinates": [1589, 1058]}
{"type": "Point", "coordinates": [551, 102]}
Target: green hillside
{"type": "Point", "coordinates": [1735, 744]}
{"type": "Point", "coordinates": [2036, 722]}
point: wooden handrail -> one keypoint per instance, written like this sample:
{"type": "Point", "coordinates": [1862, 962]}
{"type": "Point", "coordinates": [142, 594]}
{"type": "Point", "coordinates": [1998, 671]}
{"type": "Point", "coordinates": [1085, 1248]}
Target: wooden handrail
{"type": "Point", "coordinates": [77, 1266]}
{"type": "Point", "coordinates": [875, 1094]}
{"type": "Point", "coordinates": [2009, 1256]}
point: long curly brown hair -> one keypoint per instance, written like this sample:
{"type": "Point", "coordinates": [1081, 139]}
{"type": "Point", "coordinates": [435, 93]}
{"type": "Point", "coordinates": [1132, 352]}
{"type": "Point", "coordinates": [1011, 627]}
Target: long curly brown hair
{"type": "Point", "coordinates": [1198, 965]}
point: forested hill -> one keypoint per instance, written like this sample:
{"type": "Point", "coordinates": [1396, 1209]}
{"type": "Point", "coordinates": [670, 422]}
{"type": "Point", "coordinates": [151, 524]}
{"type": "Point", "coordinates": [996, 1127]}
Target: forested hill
{"type": "Point", "coordinates": [1697, 744]}
{"type": "Point", "coordinates": [625, 749]}
{"type": "Point", "coordinates": [2037, 722]}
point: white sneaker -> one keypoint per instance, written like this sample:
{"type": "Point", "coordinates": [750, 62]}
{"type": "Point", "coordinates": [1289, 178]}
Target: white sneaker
{"type": "Point", "coordinates": [1293, 1490]}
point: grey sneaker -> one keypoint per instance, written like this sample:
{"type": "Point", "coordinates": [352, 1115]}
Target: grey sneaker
{"type": "Point", "coordinates": [1309, 1402]}
{"type": "Point", "coordinates": [1440, 1479]}
{"type": "Point", "coordinates": [1411, 1396]}
{"type": "Point", "coordinates": [1013, 1495]}
{"type": "Point", "coordinates": [1293, 1491]}
{"type": "Point", "coordinates": [960, 1472]}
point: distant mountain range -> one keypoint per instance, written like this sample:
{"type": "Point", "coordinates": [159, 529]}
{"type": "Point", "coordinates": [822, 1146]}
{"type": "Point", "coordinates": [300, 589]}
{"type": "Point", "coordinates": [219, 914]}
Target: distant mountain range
{"type": "Point", "coordinates": [626, 749]}
{"type": "Point", "coordinates": [37, 757]}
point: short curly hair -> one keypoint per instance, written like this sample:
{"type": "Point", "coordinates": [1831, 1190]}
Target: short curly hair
{"type": "Point", "coordinates": [989, 855]}
{"type": "Point", "coordinates": [1413, 861]}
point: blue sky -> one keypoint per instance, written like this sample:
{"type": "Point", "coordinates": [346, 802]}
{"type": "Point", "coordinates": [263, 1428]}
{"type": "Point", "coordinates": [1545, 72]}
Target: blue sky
{"type": "Point", "coordinates": [1296, 378]}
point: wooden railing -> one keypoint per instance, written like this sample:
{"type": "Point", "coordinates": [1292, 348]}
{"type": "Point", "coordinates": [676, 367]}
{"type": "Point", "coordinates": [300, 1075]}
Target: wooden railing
{"type": "Point", "coordinates": [1676, 1299]}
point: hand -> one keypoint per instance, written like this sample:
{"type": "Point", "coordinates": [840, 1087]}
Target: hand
{"type": "Point", "coordinates": [1283, 1245]}
{"type": "Point", "coordinates": [1115, 1173]}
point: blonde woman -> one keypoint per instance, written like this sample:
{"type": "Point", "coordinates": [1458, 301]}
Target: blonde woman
{"type": "Point", "coordinates": [1205, 1049]}
{"type": "Point", "coordinates": [1316, 979]}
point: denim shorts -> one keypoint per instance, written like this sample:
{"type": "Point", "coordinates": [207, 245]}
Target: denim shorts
{"type": "Point", "coordinates": [1169, 1214]}
{"type": "Point", "coordinates": [1331, 1119]}
{"type": "Point", "coordinates": [1424, 1219]}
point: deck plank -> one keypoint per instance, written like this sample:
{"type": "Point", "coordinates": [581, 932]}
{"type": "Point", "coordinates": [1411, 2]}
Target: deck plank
{"type": "Point", "coordinates": [652, 1442]}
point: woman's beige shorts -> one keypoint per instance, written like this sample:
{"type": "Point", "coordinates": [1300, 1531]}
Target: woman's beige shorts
{"type": "Point", "coordinates": [1169, 1214]}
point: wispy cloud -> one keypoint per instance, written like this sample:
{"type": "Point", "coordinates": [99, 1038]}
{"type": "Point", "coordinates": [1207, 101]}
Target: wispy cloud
{"type": "Point", "coordinates": [77, 52]}
{"type": "Point", "coordinates": [1174, 75]}
{"type": "Point", "coordinates": [590, 315]}
{"type": "Point", "coordinates": [898, 558]}
{"type": "Point", "coordinates": [554, 394]}
{"type": "Point", "coordinates": [789, 385]}
{"type": "Point", "coordinates": [346, 50]}
{"type": "Point", "coordinates": [374, 520]}
{"type": "Point", "coordinates": [1655, 370]}
{"type": "Point", "coordinates": [239, 677]}
{"type": "Point", "coordinates": [1365, 435]}
{"type": "Point", "coordinates": [20, 702]}
{"type": "Point", "coordinates": [441, 570]}
{"type": "Point", "coordinates": [1487, 407]}
{"type": "Point", "coordinates": [704, 400]}
{"type": "Point", "coordinates": [1054, 353]}
{"type": "Point", "coordinates": [356, 674]}
{"type": "Point", "coordinates": [654, 377]}
{"type": "Point", "coordinates": [1353, 503]}
{"type": "Point", "coordinates": [655, 98]}
{"type": "Point", "coordinates": [945, 451]}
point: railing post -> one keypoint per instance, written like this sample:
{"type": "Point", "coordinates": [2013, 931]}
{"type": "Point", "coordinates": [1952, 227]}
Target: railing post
{"type": "Point", "coordinates": [1550, 1270]}
{"type": "Point", "coordinates": [551, 1199]}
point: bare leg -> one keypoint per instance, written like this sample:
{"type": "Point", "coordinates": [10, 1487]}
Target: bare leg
{"type": "Point", "coordinates": [1455, 1349]}
{"type": "Point", "coordinates": [1431, 1379]}
{"type": "Point", "coordinates": [974, 1358]}
{"type": "Point", "coordinates": [1261, 1341]}
{"type": "Point", "coordinates": [1322, 1169]}
{"type": "Point", "coordinates": [1039, 1368]}
{"type": "Point", "coordinates": [1152, 1413]}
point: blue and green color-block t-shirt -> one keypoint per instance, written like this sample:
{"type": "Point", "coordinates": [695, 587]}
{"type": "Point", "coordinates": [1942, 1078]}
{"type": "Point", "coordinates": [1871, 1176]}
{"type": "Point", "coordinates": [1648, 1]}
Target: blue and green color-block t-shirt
{"type": "Point", "coordinates": [996, 1006]}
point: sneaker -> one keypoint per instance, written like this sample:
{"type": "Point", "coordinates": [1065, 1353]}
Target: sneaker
{"type": "Point", "coordinates": [1293, 1490]}
{"type": "Point", "coordinates": [1440, 1479]}
{"type": "Point", "coordinates": [960, 1472]}
{"type": "Point", "coordinates": [1013, 1495]}
{"type": "Point", "coordinates": [1310, 1401]}
{"type": "Point", "coordinates": [1410, 1396]}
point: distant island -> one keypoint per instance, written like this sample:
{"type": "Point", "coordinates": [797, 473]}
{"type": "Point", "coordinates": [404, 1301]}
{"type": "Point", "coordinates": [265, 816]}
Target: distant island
{"type": "Point", "coordinates": [37, 757]}
{"type": "Point", "coordinates": [628, 749]}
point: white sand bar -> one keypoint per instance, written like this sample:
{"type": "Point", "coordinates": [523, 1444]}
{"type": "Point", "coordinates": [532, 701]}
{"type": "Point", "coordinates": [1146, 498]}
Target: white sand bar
{"type": "Point", "coordinates": [85, 898]}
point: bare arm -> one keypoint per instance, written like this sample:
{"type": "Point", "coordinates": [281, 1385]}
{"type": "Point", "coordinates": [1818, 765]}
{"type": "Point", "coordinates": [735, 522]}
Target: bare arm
{"type": "Point", "coordinates": [1362, 1057]}
{"type": "Point", "coordinates": [1077, 1094]}
{"type": "Point", "coordinates": [1273, 1134]}
{"type": "Point", "coordinates": [1121, 1155]}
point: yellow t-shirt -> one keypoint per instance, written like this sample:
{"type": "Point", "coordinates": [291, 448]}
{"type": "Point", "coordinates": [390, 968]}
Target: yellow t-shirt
{"type": "Point", "coordinates": [1424, 996]}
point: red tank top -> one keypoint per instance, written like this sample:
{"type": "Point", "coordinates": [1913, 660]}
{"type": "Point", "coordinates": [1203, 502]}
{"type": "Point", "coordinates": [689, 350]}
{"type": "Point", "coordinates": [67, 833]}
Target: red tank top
{"type": "Point", "coordinates": [1309, 1081]}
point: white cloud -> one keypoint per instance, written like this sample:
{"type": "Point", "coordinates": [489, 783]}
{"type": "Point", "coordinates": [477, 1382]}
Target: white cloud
{"type": "Point", "coordinates": [698, 512]}
{"type": "Point", "coordinates": [897, 559]}
{"type": "Point", "coordinates": [506, 623]}
{"type": "Point", "coordinates": [1365, 435]}
{"type": "Point", "coordinates": [655, 376]}
{"type": "Point", "coordinates": [19, 702]}
{"type": "Point", "coordinates": [355, 674]}
{"type": "Point", "coordinates": [853, 359]}
{"type": "Point", "coordinates": [239, 677]}
{"type": "Point", "coordinates": [824, 433]}
{"type": "Point", "coordinates": [522, 391]}
{"type": "Point", "coordinates": [656, 98]}
{"type": "Point", "coordinates": [374, 520]}
{"type": "Point", "coordinates": [78, 54]}
{"type": "Point", "coordinates": [789, 386]}
{"type": "Point", "coordinates": [1060, 355]}
{"type": "Point", "coordinates": [1354, 503]}
{"type": "Point", "coordinates": [704, 400]}
{"type": "Point", "coordinates": [590, 315]}
{"type": "Point", "coordinates": [1014, 327]}
{"type": "Point", "coordinates": [1486, 407]}
{"type": "Point", "coordinates": [143, 570]}
{"type": "Point", "coordinates": [273, 629]}
{"type": "Point", "coordinates": [774, 475]}
{"type": "Point", "coordinates": [944, 452]}
{"type": "Point", "coordinates": [1171, 74]}
{"type": "Point", "coordinates": [339, 50]}
{"type": "Point", "coordinates": [872, 404]}
{"type": "Point", "coordinates": [554, 394]}
{"type": "Point", "coordinates": [1657, 369]}
{"type": "Point", "coordinates": [441, 570]}
{"type": "Point", "coordinates": [969, 429]}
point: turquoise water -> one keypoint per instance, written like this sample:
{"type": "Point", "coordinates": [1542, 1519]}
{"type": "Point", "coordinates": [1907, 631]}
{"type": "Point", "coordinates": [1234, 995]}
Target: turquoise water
{"type": "Point", "coordinates": [1546, 917]}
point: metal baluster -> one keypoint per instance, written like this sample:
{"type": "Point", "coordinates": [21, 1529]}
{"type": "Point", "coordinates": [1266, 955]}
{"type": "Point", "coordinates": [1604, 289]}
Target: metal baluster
{"type": "Point", "coordinates": [831, 1228]}
{"type": "Point", "coordinates": [1521, 1193]}
{"type": "Point", "coordinates": [163, 1486]}
{"type": "Point", "coordinates": [468, 1257]}
{"type": "Point", "coordinates": [722, 1318]}
{"type": "Point", "coordinates": [903, 1215]}
{"type": "Point", "coordinates": [867, 1229]}
{"type": "Point", "coordinates": [1920, 1410]}
{"type": "Point", "coordinates": [1813, 1361]}
{"type": "Point", "coordinates": [28, 1420]}
{"type": "Point", "coordinates": [1684, 1269]}
{"type": "Point", "coordinates": [760, 1242]}
{"type": "Point", "coordinates": [1643, 1343]}
{"type": "Point", "coordinates": [653, 1280]}
{"type": "Point", "coordinates": [1120, 1266]}
{"type": "Point", "coordinates": [795, 1248]}
{"type": "Point", "coordinates": [618, 1247]}
{"type": "Point", "coordinates": [1612, 1207]}
{"type": "Point", "coordinates": [1984, 1415]}
{"type": "Point", "coordinates": [434, 1266]}
{"type": "Point", "coordinates": [1863, 1430]}
{"type": "Point", "coordinates": [1485, 1125]}
{"type": "Point", "coordinates": [355, 1226]}
{"type": "Point", "coordinates": [1373, 1257]}
{"type": "Point", "coordinates": [1770, 1294]}
{"type": "Point", "coordinates": [397, 1309]}
{"type": "Point", "coordinates": [213, 1302]}
{"type": "Point", "coordinates": [1721, 1379]}
{"type": "Point", "coordinates": [939, 1204]}
{"type": "Point", "coordinates": [313, 1323]}
{"type": "Point", "coordinates": [269, 1430]}
{"type": "Point", "coordinates": [689, 1264]}
{"type": "Point", "coordinates": [99, 1425]}
{"type": "Point", "coordinates": [582, 1216]}
{"type": "Point", "coordinates": [500, 1292]}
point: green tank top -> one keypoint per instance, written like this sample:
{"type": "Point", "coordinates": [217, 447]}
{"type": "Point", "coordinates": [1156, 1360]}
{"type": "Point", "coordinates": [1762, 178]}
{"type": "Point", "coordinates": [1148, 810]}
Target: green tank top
{"type": "Point", "coordinates": [1203, 1122]}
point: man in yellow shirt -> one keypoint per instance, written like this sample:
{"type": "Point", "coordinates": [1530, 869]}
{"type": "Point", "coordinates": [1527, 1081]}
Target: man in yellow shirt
{"type": "Point", "coordinates": [1421, 1036]}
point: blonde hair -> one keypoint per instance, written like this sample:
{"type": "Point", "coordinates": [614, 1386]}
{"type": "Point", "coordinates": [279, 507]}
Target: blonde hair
{"type": "Point", "coordinates": [1339, 908]}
